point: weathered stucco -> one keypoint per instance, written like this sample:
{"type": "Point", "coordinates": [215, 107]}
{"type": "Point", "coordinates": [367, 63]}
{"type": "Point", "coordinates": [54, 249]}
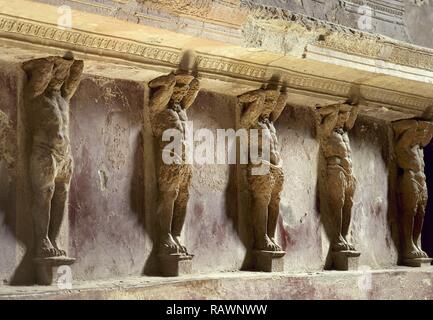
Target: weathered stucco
{"type": "Point", "coordinates": [419, 22]}
{"type": "Point", "coordinates": [9, 80]}
{"type": "Point", "coordinates": [106, 205]}
{"type": "Point", "coordinates": [372, 220]}
{"type": "Point", "coordinates": [210, 227]}
{"type": "Point", "coordinates": [300, 226]}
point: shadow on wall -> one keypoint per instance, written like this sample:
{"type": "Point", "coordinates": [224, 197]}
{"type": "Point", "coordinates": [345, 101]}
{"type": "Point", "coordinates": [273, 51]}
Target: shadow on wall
{"type": "Point", "coordinates": [237, 213]}
{"type": "Point", "coordinates": [239, 207]}
{"type": "Point", "coordinates": [393, 210]}
{"type": "Point", "coordinates": [7, 187]}
{"type": "Point", "coordinates": [427, 232]}
{"type": "Point", "coordinates": [151, 267]}
{"type": "Point", "coordinates": [137, 187]}
{"type": "Point", "coordinates": [149, 163]}
{"type": "Point", "coordinates": [322, 209]}
{"type": "Point", "coordinates": [14, 191]}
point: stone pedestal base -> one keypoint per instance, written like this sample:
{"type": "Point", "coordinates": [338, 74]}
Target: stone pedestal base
{"type": "Point", "coordinates": [173, 265]}
{"type": "Point", "coordinates": [418, 262]}
{"type": "Point", "coordinates": [46, 268]}
{"type": "Point", "coordinates": [345, 260]}
{"type": "Point", "coordinates": [320, 285]}
{"type": "Point", "coordinates": [269, 261]}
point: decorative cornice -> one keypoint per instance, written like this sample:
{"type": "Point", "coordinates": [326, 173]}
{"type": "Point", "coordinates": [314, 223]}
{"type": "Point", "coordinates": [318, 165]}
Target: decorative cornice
{"type": "Point", "coordinates": [373, 48]}
{"type": "Point", "coordinates": [389, 9]}
{"type": "Point", "coordinates": [323, 33]}
{"type": "Point", "coordinates": [82, 40]}
{"type": "Point", "coordinates": [230, 67]}
{"type": "Point", "coordinates": [344, 39]}
{"type": "Point", "coordinates": [193, 8]}
{"type": "Point", "coordinates": [29, 31]}
{"type": "Point", "coordinates": [150, 10]}
{"type": "Point", "coordinates": [411, 103]}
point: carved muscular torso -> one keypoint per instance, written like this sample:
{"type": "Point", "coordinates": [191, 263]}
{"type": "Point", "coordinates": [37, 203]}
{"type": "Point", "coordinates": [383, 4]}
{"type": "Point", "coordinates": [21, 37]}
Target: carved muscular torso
{"type": "Point", "coordinates": [411, 160]}
{"type": "Point", "coordinates": [267, 131]}
{"type": "Point", "coordinates": [174, 117]}
{"type": "Point", "coordinates": [336, 149]}
{"type": "Point", "coordinates": [51, 124]}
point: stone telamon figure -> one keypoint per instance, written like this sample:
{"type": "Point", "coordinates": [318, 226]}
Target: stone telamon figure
{"type": "Point", "coordinates": [337, 181]}
{"type": "Point", "coordinates": [52, 81]}
{"type": "Point", "coordinates": [172, 95]}
{"type": "Point", "coordinates": [261, 108]}
{"type": "Point", "coordinates": [411, 136]}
